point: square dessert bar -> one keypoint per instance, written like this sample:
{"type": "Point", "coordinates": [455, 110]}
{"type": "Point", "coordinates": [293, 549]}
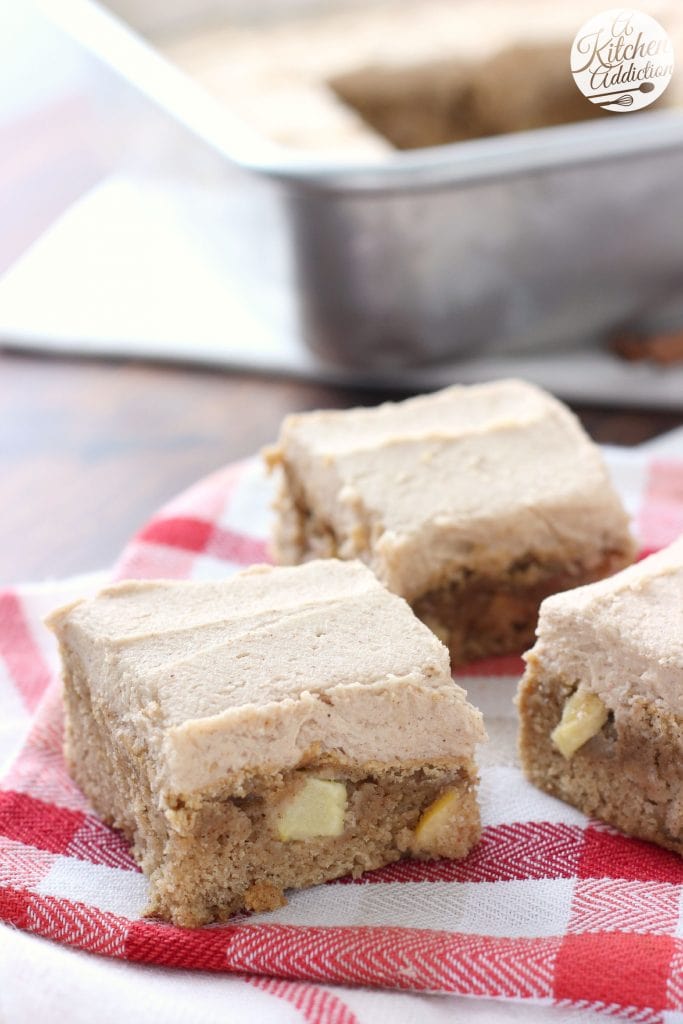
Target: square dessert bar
{"type": "Point", "coordinates": [273, 730]}
{"type": "Point", "coordinates": [601, 702]}
{"type": "Point", "coordinates": [473, 504]}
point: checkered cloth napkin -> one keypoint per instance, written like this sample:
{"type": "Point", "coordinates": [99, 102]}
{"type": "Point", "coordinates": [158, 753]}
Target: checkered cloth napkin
{"type": "Point", "coordinates": [549, 909]}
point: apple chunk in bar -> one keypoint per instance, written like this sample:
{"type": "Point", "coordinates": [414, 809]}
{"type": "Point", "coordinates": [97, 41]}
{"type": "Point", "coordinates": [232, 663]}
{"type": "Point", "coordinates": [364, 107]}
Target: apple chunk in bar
{"type": "Point", "coordinates": [270, 731]}
{"type": "Point", "coordinates": [473, 504]}
{"type": "Point", "coordinates": [601, 701]}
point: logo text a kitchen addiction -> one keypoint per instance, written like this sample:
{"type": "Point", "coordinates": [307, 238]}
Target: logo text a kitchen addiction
{"type": "Point", "coordinates": [622, 60]}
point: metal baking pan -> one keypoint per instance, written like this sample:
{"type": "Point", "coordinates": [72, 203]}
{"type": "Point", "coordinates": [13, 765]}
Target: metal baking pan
{"type": "Point", "coordinates": [545, 239]}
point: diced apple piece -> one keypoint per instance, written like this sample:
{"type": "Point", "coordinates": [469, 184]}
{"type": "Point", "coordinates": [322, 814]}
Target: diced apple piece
{"type": "Point", "coordinates": [583, 716]}
{"type": "Point", "coordinates": [316, 809]}
{"type": "Point", "coordinates": [437, 822]}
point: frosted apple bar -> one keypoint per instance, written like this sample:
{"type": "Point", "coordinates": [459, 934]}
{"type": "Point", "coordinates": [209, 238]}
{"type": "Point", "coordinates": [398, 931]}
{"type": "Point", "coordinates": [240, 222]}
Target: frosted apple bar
{"type": "Point", "coordinates": [271, 731]}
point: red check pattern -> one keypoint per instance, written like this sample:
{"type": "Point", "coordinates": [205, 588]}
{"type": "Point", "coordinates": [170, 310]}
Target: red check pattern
{"type": "Point", "coordinates": [549, 907]}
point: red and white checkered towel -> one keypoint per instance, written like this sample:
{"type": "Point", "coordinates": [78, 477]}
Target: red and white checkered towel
{"type": "Point", "coordinates": [550, 909]}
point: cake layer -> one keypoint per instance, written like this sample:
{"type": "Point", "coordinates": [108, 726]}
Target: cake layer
{"type": "Point", "coordinates": [470, 479]}
{"type": "Point", "coordinates": [628, 773]}
{"type": "Point", "coordinates": [622, 637]}
{"type": "Point", "coordinates": [482, 616]}
{"type": "Point", "coordinates": [242, 862]}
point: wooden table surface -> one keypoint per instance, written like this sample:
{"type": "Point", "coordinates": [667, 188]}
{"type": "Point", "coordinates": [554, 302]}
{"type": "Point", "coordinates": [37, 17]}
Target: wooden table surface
{"type": "Point", "coordinates": [91, 448]}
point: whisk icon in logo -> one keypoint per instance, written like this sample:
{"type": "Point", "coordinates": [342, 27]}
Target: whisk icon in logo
{"type": "Point", "coordinates": [622, 60]}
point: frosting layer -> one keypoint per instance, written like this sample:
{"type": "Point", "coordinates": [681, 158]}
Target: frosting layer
{"type": "Point", "coordinates": [255, 671]}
